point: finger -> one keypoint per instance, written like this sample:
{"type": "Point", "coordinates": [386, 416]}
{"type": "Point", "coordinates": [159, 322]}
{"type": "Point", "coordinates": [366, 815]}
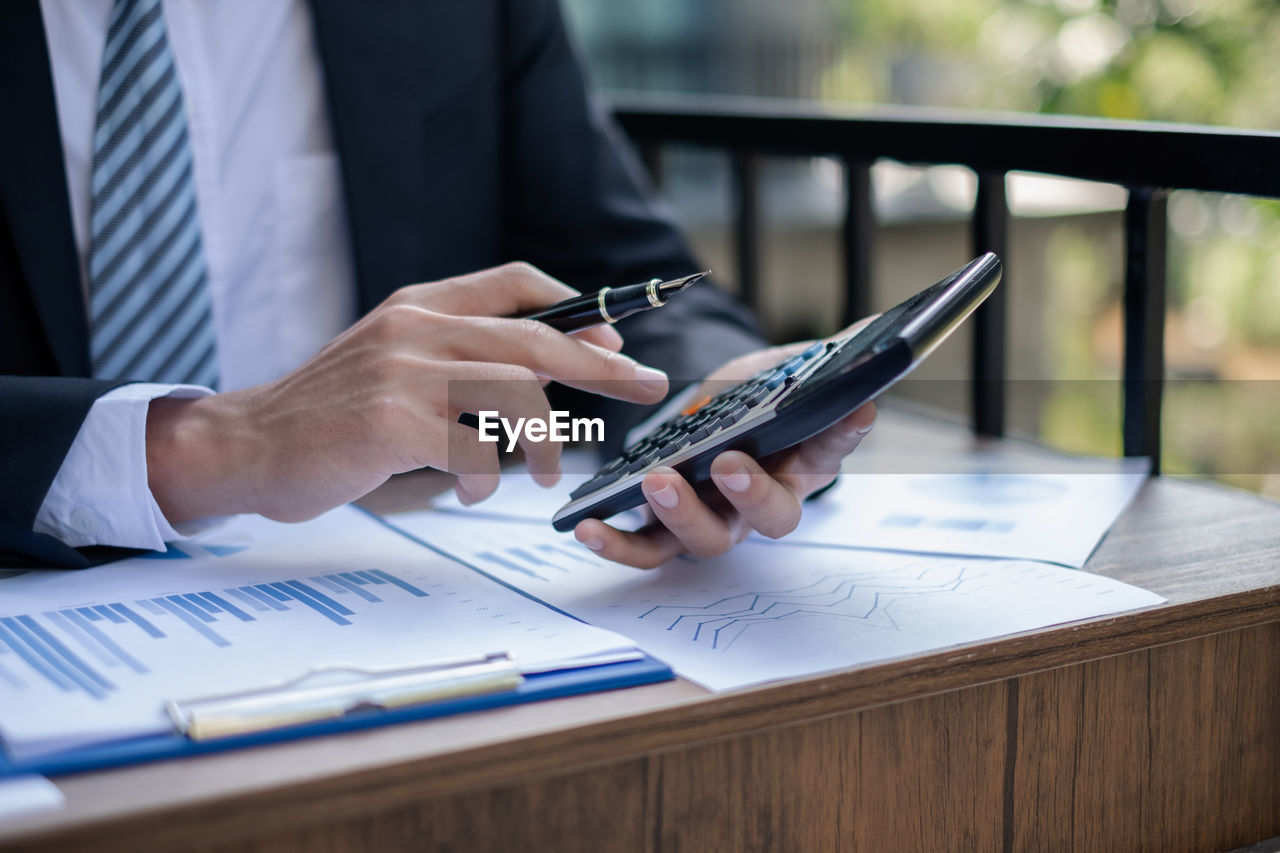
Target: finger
{"type": "Point", "coordinates": [511, 289]}
{"type": "Point", "coordinates": [604, 335]}
{"type": "Point", "coordinates": [550, 353]}
{"type": "Point", "coordinates": [771, 507]}
{"type": "Point", "coordinates": [816, 462]}
{"type": "Point", "coordinates": [499, 391]}
{"type": "Point", "coordinates": [647, 548]}
{"type": "Point", "coordinates": [702, 531]}
{"type": "Point", "coordinates": [475, 464]}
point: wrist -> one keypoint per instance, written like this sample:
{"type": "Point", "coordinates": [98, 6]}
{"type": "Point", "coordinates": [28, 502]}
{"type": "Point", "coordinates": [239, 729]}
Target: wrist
{"type": "Point", "coordinates": [197, 458]}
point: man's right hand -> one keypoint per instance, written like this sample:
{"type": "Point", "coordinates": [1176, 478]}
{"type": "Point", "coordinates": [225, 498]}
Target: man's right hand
{"type": "Point", "coordinates": [384, 398]}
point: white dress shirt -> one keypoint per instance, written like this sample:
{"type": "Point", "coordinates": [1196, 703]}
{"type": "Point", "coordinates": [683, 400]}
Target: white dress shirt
{"type": "Point", "coordinates": [273, 223]}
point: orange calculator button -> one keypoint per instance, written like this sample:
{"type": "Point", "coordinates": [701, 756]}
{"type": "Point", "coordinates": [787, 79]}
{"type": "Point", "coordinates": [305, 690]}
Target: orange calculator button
{"type": "Point", "coordinates": [694, 406]}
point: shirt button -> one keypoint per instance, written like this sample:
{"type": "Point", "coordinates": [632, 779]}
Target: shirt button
{"type": "Point", "coordinates": [86, 520]}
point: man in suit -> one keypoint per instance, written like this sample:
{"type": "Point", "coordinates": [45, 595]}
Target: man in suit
{"type": "Point", "coordinates": [193, 195]}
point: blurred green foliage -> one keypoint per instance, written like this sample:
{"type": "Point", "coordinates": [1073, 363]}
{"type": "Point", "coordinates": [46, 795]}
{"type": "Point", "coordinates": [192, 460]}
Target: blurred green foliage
{"type": "Point", "coordinates": [1215, 63]}
{"type": "Point", "coordinates": [1163, 60]}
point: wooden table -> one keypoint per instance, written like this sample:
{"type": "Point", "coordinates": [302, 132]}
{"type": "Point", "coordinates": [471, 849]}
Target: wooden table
{"type": "Point", "coordinates": [1156, 730]}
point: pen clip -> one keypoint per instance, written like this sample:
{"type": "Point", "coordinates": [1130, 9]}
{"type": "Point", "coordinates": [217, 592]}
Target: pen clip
{"type": "Point", "coordinates": [295, 701]}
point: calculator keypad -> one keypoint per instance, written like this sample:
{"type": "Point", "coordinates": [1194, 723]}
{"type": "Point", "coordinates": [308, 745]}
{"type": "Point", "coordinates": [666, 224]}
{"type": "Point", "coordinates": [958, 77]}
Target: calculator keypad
{"type": "Point", "coordinates": [703, 421]}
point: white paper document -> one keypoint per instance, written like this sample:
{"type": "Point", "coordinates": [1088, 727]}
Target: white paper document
{"type": "Point", "coordinates": [774, 611]}
{"type": "Point", "coordinates": [1059, 518]}
{"type": "Point", "coordinates": [520, 498]}
{"type": "Point", "coordinates": [24, 795]}
{"type": "Point", "coordinates": [1018, 501]}
{"type": "Point", "coordinates": [91, 656]}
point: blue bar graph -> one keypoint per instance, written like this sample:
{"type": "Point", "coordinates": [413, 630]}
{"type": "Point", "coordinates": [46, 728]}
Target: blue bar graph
{"type": "Point", "coordinates": [173, 604]}
{"type": "Point", "coordinates": [392, 579]}
{"type": "Point", "coordinates": [226, 607]}
{"type": "Point", "coordinates": [271, 591]}
{"type": "Point", "coordinates": [109, 614]}
{"type": "Point", "coordinates": [348, 582]}
{"type": "Point", "coordinates": [179, 601]}
{"type": "Point", "coordinates": [260, 596]}
{"type": "Point", "coordinates": [71, 648]}
{"type": "Point", "coordinates": [200, 603]}
{"type": "Point", "coordinates": [332, 586]}
{"type": "Point", "coordinates": [241, 595]}
{"type": "Point", "coordinates": [151, 630]}
{"type": "Point", "coordinates": [111, 646]}
{"type": "Point", "coordinates": [34, 660]}
{"type": "Point", "coordinates": [41, 645]}
{"type": "Point", "coordinates": [300, 587]}
{"type": "Point", "coordinates": [319, 607]}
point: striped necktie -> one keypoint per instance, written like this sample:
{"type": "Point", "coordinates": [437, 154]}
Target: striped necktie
{"type": "Point", "coordinates": [150, 316]}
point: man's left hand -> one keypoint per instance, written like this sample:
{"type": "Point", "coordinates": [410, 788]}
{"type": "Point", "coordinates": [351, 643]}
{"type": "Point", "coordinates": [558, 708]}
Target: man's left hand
{"type": "Point", "coordinates": [743, 494]}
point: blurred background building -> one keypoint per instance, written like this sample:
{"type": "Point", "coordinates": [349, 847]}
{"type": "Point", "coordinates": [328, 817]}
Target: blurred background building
{"type": "Point", "coordinates": [1164, 60]}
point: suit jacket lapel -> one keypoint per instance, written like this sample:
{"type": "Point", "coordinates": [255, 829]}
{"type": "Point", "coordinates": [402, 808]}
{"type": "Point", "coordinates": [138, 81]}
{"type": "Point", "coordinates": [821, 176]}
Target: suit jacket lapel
{"type": "Point", "coordinates": [355, 40]}
{"type": "Point", "coordinates": [33, 185]}
{"type": "Point", "coordinates": [408, 85]}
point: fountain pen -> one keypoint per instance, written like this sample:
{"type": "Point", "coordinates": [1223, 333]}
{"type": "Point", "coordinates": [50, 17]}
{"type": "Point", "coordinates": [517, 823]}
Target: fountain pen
{"type": "Point", "coordinates": [611, 304]}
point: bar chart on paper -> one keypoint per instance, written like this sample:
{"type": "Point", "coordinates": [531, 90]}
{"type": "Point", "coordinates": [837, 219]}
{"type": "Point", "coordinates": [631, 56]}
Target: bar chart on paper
{"type": "Point", "coordinates": [92, 656]}
{"type": "Point", "coordinates": [73, 648]}
{"type": "Point", "coordinates": [765, 612]}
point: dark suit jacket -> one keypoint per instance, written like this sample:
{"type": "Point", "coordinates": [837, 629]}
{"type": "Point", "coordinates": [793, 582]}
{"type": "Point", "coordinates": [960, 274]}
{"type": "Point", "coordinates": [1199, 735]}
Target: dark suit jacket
{"type": "Point", "coordinates": [467, 138]}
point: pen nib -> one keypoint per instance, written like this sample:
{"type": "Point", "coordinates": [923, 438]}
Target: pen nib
{"type": "Point", "coordinates": [667, 288]}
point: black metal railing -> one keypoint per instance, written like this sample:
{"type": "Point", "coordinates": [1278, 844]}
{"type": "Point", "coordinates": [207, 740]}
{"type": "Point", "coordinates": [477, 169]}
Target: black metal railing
{"type": "Point", "coordinates": [1147, 159]}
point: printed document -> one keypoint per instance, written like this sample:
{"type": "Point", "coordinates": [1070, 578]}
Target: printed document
{"type": "Point", "coordinates": [774, 611]}
{"type": "Point", "coordinates": [91, 656]}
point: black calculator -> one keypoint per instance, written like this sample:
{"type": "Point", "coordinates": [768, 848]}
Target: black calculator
{"type": "Point", "coordinates": [791, 401]}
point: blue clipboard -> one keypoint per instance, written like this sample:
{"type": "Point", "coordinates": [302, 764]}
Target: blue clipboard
{"type": "Point", "coordinates": [536, 686]}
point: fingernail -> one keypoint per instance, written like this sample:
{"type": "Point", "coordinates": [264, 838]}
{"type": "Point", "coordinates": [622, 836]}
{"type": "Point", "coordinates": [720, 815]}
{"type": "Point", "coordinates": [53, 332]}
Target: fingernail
{"type": "Point", "coordinates": [738, 481]}
{"type": "Point", "coordinates": [650, 379]}
{"type": "Point", "coordinates": [593, 543]}
{"type": "Point", "coordinates": [667, 497]}
{"type": "Point", "coordinates": [861, 430]}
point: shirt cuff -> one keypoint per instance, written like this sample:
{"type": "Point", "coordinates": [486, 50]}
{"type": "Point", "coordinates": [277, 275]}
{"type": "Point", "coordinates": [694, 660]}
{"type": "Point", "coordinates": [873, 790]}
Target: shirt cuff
{"type": "Point", "coordinates": [100, 495]}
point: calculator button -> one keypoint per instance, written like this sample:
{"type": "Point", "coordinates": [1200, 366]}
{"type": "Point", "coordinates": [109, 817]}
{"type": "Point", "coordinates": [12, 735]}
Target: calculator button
{"type": "Point", "coordinates": [793, 365]}
{"type": "Point", "coordinates": [699, 434]}
{"type": "Point", "coordinates": [695, 406]}
{"type": "Point", "coordinates": [612, 465]}
{"type": "Point", "coordinates": [813, 350]}
{"type": "Point", "coordinates": [641, 462]}
{"type": "Point", "coordinates": [774, 380]}
{"type": "Point", "coordinates": [733, 415]}
{"type": "Point", "coordinates": [755, 397]}
{"type": "Point", "coordinates": [674, 446]}
{"type": "Point", "coordinates": [595, 483]}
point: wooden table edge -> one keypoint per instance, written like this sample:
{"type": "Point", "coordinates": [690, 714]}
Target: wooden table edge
{"type": "Point", "coordinates": [700, 718]}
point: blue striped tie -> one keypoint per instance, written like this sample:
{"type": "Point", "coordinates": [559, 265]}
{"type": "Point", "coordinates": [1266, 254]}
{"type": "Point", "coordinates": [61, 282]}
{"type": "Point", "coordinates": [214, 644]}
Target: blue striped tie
{"type": "Point", "coordinates": [150, 316]}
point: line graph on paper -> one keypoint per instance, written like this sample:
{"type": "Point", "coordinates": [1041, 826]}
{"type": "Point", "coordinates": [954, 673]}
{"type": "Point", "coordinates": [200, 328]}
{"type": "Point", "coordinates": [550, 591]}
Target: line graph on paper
{"type": "Point", "coordinates": [862, 599]}
{"type": "Point", "coordinates": [779, 610]}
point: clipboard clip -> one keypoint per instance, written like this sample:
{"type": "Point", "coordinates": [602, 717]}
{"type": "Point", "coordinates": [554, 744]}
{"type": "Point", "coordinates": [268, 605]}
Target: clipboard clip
{"type": "Point", "coordinates": [301, 700]}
